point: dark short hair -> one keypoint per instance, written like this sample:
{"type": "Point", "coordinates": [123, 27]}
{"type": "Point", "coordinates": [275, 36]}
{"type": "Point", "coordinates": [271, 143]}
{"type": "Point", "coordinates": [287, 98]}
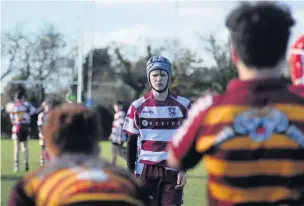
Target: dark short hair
{"type": "Point", "coordinates": [72, 128]}
{"type": "Point", "coordinates": [118, 102]}
{"type": "Point", "coordinates": [19, 95]}
{"type": "Point", "coordinates": [260, 32]}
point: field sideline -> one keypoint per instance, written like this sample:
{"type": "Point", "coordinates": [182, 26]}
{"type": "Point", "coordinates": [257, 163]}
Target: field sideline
{"type": "Point", "coordinates": [195, 190]}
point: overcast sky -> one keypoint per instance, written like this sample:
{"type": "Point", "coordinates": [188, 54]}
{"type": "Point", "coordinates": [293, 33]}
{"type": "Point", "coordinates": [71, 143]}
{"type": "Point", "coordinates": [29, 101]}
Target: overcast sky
{"type": "Point", "coordinates": [131, 22]}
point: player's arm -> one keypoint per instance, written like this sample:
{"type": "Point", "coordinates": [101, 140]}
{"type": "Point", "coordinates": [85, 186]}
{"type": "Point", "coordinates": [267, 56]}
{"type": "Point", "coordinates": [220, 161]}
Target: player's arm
{"type": "Point", "coordinates": [18, 197]}
{"type": "Point", "coordinates": [131, 152]}
{"type": "Point", "coordinates": [182, 149]}
{"type": "Point", "coordinates": [132, 130]}
{"type": "Point", "coordinates": [31, 108]}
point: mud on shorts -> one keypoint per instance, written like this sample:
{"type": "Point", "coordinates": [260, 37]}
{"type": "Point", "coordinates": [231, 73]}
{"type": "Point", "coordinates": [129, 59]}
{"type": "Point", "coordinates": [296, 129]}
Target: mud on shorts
{"type": "Point", "coordinates": [161, 183]}
{"type": "Point", "coordinates": [21, 132]}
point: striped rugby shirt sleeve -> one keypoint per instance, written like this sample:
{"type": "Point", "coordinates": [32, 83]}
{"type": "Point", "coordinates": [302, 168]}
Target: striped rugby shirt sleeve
{"type": "Point", "coordinates": [130, 124]}
{"type": "Point", "coordinates": [182, 149]}
{"type": "Point", "coordinates": [30, 107]}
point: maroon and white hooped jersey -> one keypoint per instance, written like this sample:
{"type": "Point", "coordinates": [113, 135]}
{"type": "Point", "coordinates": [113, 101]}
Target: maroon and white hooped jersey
{"type": "Point", "coordinates": [155, 122]}
{"type": "Point", "coordinates": [21, 113]}
{"type": "Point", "coordinates": [41, 119]}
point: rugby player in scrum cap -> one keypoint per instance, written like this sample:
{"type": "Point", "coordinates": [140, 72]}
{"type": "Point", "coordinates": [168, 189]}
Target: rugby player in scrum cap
{"type": "Point", "coordinates": [154, 118]}
{"type": "Point", "coordinates": [250, 137]}
{"type": "Point", "coordinates": [76, 175]}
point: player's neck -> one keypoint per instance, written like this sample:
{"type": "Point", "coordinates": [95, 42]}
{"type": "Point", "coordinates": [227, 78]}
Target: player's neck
{"type": "Point", "coordinates": [246, 73]}
{"type": "Point", "coordinates": [160, 96]}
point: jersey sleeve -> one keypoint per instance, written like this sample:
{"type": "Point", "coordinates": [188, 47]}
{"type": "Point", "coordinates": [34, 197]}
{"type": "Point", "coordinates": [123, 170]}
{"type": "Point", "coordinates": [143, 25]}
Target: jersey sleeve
{"type": "Point", "coordinates": [31, 108]}
{"type": "Point", "coordinates": [183, 146]}
{"type": "Point", "coordinates": [130, 124]}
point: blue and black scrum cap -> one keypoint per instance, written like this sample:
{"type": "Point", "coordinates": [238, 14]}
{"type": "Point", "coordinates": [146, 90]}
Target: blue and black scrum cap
{"type": "Point", "coordinates": [159, 63]}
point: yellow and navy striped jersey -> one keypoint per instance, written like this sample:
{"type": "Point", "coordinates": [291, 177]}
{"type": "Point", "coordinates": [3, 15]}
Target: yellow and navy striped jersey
{"type": "Point", "coordinates": [78, 180]}
{"type": "Point", "coordinates": [251, 140]}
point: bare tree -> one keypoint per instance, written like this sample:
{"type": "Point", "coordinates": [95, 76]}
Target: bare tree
{"type": "Point", "coordinates": [12, 45]}
{"type": "Point", "coordinates": [189, 77]}
{"type": "Point", "coordinates": [187, 68]}
{"type": "Point", "coordinates": [130, 76]}
{"type": "Point", "coordinates": [223, 70]}
{"type": "Point", "coordinates": [34, 55]}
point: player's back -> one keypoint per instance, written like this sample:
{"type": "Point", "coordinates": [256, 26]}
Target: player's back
{"type": "Point", "coordinates": [253, 141]}
{"type": "Point", "coordinates": [79, 180]}
{"type": "Point", "coordinates": [21, 112]}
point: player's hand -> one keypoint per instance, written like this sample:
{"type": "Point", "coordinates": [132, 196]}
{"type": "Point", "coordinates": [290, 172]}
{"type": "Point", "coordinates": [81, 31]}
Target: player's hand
{"type": "Point", "coordinates": [181, 180]}
{"type": "Point", "coordinates": [110, 137]}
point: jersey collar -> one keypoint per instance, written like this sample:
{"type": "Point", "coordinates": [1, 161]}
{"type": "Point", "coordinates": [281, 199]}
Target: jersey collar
{"type": "Point", "coordinates": [254, 84]}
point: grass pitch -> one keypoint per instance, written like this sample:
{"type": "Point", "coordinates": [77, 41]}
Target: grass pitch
{"type": "Point", "coordinates": [195, 190]}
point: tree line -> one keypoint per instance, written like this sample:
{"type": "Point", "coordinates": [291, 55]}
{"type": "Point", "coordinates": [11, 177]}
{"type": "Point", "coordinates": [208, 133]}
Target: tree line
{"type": "Point", "coordinates": [45, 55]}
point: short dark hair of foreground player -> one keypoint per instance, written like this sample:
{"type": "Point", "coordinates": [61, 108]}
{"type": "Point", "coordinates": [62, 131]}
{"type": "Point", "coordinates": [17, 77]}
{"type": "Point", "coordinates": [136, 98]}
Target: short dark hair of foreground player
{"type": "Point", "coordinates": [251, 136]}
{"type": "Point", "coordinates": [76, 175]}
{"type": "Point", "coordinates": [259, 33]}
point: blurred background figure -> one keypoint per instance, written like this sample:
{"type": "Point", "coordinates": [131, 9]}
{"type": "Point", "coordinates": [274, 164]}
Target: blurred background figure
{"type": "Point", "coordinates": [118, 137]}
{"type": "Point", "coordinates": [296, 61]}
{"type": "Point", "coordinates": [76, 175]}
{"type": "Point", "coordinates": [20, 115]}
{"type": "Point", "coordinates": [47, 105]}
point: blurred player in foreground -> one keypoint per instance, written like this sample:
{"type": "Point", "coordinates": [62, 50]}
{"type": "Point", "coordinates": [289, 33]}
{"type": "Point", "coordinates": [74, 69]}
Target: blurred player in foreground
{"type": "Point", "coordinates": [251, 137]}
{"type": "Point", "coordinates": [20, 116]}
{"type": "Point", "coordinates": [296, 61]}
{"type": "Point", "coordinates": [47, 106]}
{"type": "Point", "coordinates": [154, 118]}
{"type": "Point", "coordinates": [118, 137]}
{"type": "Point", "coordinates": [76, 175]}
